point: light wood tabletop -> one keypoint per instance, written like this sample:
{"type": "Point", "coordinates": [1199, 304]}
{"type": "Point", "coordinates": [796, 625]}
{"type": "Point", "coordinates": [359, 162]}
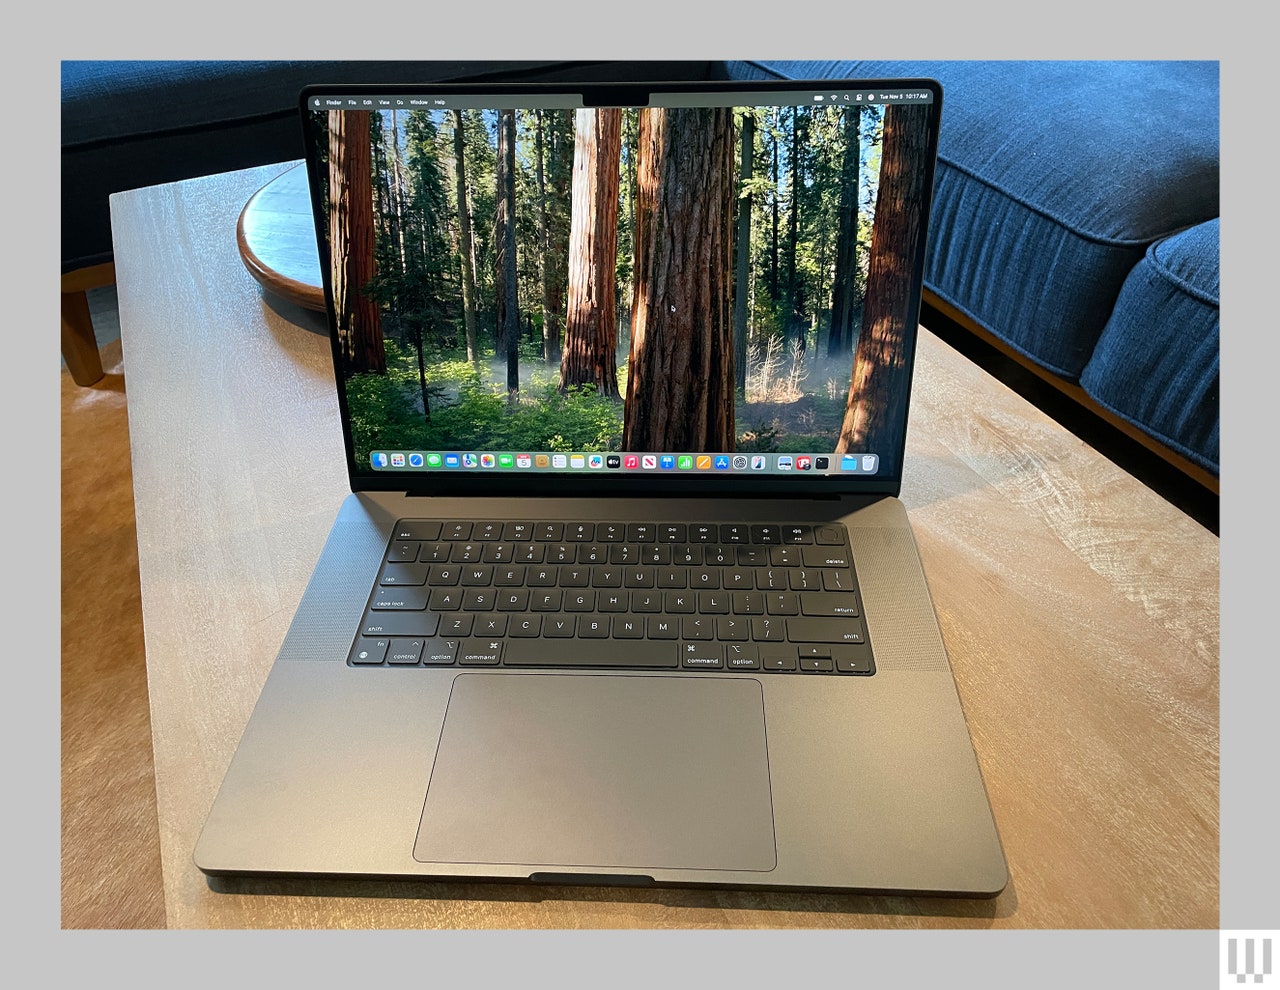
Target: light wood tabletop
{"type": "Point", "coordinates": [1079, 609]}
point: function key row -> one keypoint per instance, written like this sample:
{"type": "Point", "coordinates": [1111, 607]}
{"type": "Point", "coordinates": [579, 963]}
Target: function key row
{"type": "Point", "coordinates": [431, 530]}
{"type": "Point", "coordinates": [655, 554]}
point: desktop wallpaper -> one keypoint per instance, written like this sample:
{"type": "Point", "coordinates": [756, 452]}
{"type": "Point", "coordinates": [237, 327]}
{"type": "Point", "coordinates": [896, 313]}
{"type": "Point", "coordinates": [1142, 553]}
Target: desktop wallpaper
{"type": "Point", "coordinates": [719, 279]}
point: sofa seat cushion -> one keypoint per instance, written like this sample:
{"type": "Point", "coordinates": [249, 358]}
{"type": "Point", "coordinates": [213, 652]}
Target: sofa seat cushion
{"type": "Point", "coordinates": [1156, 363]}
{"type": "Point", "coordinates": [1053, 178]}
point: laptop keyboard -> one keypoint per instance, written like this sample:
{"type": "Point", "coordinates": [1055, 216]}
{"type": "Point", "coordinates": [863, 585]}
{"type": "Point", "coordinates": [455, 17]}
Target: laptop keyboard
{"type": "Point", "coordinates": [638, 596]}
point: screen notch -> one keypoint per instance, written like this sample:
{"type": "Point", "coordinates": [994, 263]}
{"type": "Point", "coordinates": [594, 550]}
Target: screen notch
{"type": "Point", "coordinates": [621, 95]}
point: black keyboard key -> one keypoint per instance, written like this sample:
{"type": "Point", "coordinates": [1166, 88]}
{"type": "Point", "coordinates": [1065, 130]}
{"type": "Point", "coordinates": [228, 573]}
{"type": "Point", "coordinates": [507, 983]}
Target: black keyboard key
{"type": "Point", "coordinates": [480, 652]}
{"type": "Point", "coordinates": [370, 650]}
{"type": "Point", "coordinates": [513, 600]}
{"type": "Point", "coordinates": [782, 603]}
{"type": "Point", "coordinates": [400, 623]}
{"type": "Point", "coordinates": [818, 603]}
{"type": "Point", "coordinates": [641, 533]}
{"type": "Point", "coordinates": [824, 556]}
{"type": "Point", "coordinates": [621, 653]}
{"type": "Point", "coordinates": [490, 625]}
{"type": "Point", "coordinates": [418, 529]}
{"type": "Point", "coordinates": [559, 626]}
{"type": "Point", "coordinates": [593, 626]}
{"type": "Point", "coordinates": [853, 659]}
{"type": "Point", "coordinates": [663, 627]}
{"type": "Point", "coordinates": [405, 651]}
{"type": "Point", "coordinates": [413, 599]}
{"type": "Point", "coordinates": [701, 656]}
{"type": "Point", "coordinates": [827, 631]}
{"type": "Point", "coordinates": [741, 656]}
{"type": "Point", "coordinates": [440, 651]}
{"type": "Point", "coordinates": [797, 534]}
{"type": "Point", "coordinates": [831, 536]}
{"type": "Point", "coordinates": [837, 580]}
{"type": "Point", "coordinates": [403, 574]}
{"type": "Point", "coordinates": [444, 599]}
{"type": "Point", "coordinates": [698, 627]}
{"type": "Point", "coordinates": [767, 629]}
{"type": "Point", "coordinates": [525, 626]}
{"type": "Point", "coordinates": [766, 535]}
{"type": "Point", "coordinates": [816, 664]}
{"type": "Point", "coordinates": [777, 658]}
{"type": "Point", "coordinates": [508, 576]}
{"type": "Point", "coordinates": [457, 625]}
{"type": "Point", "coordinates": [477, 576]}
{"type": "Point", "coordinates": [479, 600]}
{"type": "Point", "coordinates": [518, 532]}
{"type": "Point", "coordinates": [628, 627]}
{"type": "Point", "coordinates": [444, 575]}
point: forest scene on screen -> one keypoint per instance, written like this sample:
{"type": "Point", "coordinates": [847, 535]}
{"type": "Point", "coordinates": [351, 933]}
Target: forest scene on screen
{"type": "Point", "coordinates": [694, 279]}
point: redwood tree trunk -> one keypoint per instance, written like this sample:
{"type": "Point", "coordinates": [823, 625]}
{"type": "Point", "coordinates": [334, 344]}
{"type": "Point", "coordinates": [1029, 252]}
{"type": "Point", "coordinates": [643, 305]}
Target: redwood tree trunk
{"type": "Point", "coordinates": [351, 240]}
{"type": "Point", "coordinates": [508, 307]}
{"type": "Point", "coordinates": [742, 287]}
{"type": "Point", "coordinates": [880, 366]}
{"type": "Point", "coordinates": [680, 381]}
{"type": "Point", "coordinates": [465, 251]}
{"type": "Point", "coordinates": [590, 333]}
{"type": "Point", "coordinates": [844, 288]}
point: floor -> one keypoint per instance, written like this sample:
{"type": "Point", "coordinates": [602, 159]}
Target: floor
{"type": "Point", "coordinates": [111, 875]}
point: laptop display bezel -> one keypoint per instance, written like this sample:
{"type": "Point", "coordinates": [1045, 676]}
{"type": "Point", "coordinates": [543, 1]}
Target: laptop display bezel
{"type": "Point", "coordinates": [363, 478]}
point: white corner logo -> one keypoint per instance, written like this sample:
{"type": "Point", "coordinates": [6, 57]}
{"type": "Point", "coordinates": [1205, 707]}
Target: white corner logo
{"type": "Point", "coordinates": [1246, 958]}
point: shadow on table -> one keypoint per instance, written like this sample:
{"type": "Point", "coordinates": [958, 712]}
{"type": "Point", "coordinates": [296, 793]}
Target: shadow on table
{"type": "Point", "coordinates": [979, 909]}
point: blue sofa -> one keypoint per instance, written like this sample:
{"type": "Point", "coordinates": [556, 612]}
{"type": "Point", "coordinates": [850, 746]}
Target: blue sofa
{"type": "Point", "coordinates": [1074, 229]}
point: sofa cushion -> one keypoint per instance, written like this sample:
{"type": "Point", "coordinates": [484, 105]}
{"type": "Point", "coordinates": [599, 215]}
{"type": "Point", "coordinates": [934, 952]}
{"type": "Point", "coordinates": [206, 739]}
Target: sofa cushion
{"type": "Point", "coordinates": [1052, 180]}
{"type": "Point", "coordinates": [1156, 363]}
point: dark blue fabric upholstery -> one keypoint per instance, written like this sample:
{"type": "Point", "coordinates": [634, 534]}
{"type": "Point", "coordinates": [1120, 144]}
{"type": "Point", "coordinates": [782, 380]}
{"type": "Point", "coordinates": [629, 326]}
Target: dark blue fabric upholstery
{"type": "Point", "coordinates": [1156, 363]}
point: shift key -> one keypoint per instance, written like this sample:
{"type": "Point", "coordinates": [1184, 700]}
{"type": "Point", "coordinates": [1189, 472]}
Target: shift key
{"type": "Point", "coordinates": [826, 631]}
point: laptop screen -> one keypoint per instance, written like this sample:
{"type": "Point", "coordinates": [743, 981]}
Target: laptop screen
{"type": "Point", "coordinates": [706, 288]}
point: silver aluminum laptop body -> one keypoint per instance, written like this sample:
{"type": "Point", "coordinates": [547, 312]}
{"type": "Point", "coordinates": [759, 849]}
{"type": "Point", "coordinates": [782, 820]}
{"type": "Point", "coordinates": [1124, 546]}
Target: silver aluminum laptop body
{"type": "Point", "coordinates": [446, 760]}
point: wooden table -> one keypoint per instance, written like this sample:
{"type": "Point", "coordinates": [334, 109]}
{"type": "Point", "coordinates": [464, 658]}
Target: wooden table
{"type": "Point", "coordinates": [1079, 609]}
{"type": "Point", "coordinates": [276, 237]}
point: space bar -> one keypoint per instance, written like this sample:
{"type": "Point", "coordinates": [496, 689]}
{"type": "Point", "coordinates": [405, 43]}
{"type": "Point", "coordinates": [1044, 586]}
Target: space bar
{"type": "Point", "coordinates": [590, 653]}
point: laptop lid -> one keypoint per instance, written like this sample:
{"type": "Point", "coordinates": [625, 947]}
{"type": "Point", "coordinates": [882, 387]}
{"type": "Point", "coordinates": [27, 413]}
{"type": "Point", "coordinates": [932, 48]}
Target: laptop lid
{"type": "Point", "coordinates": [692, 288]}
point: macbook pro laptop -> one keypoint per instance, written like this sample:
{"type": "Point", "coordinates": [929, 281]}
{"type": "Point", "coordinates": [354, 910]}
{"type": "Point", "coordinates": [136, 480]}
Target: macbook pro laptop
{"type": "Point", "coordinates": [623, 592]}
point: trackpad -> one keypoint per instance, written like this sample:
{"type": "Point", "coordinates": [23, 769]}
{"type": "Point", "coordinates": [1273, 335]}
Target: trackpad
{"type": "Point", "coordinates": [579, 770]}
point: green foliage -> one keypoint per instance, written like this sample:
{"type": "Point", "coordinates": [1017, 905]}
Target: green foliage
{"type": "Point", "coordinates": [471, 412]}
